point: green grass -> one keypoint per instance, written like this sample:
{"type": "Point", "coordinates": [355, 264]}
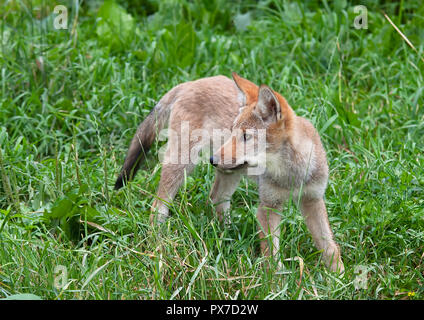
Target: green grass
{"type": "Point", "coordinates": [70, 101]}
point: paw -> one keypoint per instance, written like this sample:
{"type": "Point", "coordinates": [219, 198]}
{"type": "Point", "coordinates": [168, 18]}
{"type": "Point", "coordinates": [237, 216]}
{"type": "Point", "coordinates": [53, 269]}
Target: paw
{"type": "Point", "coordinates": [159, 213]}
{"type": "Point", "coordinates": [338, 266]}
{"type": "Point", "coordinates": [224, 218]}
{"type": "Point", "coordinates": [333, 260]}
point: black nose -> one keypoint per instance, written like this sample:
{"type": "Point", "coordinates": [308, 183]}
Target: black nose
{"type": "Point", "coordinates": [213, 161]}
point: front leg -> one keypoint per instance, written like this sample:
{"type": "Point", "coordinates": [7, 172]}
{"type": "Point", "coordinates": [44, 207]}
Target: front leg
{"type": "Point", "coordinates": [269, 229]}
{"type": "Point", "coordinates": [316, 219]}
{"type": "Point", "coordinates": [223, 188]}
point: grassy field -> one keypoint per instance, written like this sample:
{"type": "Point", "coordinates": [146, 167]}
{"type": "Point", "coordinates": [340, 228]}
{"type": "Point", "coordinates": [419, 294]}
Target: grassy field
{"type": "Point", "coordinates": [71, 99]}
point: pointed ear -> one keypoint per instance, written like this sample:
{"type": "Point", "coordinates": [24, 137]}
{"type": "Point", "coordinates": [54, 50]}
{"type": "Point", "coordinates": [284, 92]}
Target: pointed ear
{"type": "Point", "coordinates": [248, 91]}
{"type": "Point", "coordinates": [268, 105]}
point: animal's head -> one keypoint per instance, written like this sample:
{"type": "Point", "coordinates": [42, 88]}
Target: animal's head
{"type": "Point", "coordinates": [263, 122]}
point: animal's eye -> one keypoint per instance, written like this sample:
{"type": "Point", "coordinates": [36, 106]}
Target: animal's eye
{"type": "Point", "coordinates": [246, 136]}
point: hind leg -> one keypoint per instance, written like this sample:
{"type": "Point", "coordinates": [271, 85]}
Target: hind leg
{"type": "Point", "coordinates": [181, 157]}
{"type": "Point", "coordinates": [223, 188]}
{"type": "Point", "coordinates": [316, 219]}
{"type": "Point", "coordinates": [175, 166]}
{"type": "Point", "coordinates": [171, 179]}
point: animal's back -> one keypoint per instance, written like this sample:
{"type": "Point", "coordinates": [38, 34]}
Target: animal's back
{"type": "Point", "coordinates": [207, 103]}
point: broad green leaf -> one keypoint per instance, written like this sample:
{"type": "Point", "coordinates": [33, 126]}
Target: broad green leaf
{"type": "Point", "coordinates": [23, 296]}
{"type": "Point", "coordinates": [115, 25]}
{"type": "Point", "coordinates": [61, 209]}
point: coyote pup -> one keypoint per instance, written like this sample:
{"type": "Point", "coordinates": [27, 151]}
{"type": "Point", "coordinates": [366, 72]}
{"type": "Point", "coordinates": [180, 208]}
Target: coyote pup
{"type": "Point", "coordinates": [291, 163]}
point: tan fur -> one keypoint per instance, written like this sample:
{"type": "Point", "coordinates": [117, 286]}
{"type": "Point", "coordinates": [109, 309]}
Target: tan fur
{"type": "Point", "coordinates": [295, 167]}
{"type": "Point", "coordinates": [208, 104]}
{"type": "Point", "coordinates": [293, 159]}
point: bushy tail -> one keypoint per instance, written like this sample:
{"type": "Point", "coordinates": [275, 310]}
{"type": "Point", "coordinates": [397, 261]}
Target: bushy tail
{"type": "Point", "coordinates": [143, 140]}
